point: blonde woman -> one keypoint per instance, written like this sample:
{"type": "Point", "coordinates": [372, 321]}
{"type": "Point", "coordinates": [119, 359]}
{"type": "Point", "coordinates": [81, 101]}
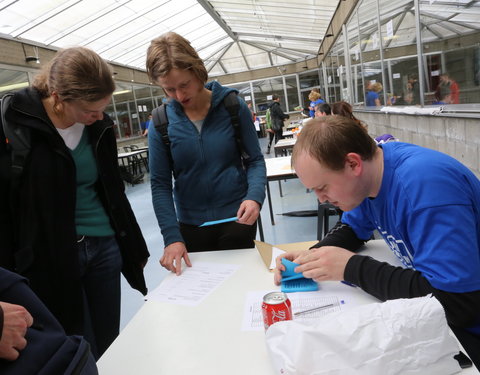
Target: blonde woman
{"type": "Point", "coordinates": [372, 98]}
{"type": "Point", "coordinates": [315, 98]}
{"type": "Point", "coordinates": [212, 182]}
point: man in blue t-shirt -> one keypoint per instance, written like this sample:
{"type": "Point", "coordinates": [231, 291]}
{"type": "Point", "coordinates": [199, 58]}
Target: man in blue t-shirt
{"type": "Point", "coordinates": [425, 204]}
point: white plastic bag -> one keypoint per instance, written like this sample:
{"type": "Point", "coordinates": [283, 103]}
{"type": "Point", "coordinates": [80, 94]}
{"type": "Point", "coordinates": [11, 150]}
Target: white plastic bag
{"type": "Point", "coordinates": [404, 336]}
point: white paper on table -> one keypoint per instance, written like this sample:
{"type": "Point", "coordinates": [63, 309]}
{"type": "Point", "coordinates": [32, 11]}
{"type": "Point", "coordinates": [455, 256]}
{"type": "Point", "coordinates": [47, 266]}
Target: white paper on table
{"type": "Point", "coordinates": [253, 319]}
{"type": "Point", "coordinates": [194, 284]}
{"type": "Point", "coordinates": [275, 253]}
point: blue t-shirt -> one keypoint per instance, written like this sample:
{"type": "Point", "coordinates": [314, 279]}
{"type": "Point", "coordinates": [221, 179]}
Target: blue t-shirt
{"type": "Point", "coordinates": [428, 212]}
{"type": "Point", "coordinates": [313, 104]}
{"type": "Point", "coordinates": [370, 98]}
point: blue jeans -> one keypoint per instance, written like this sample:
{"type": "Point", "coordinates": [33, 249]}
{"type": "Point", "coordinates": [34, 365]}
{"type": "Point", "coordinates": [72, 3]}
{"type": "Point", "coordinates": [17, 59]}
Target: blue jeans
{"type": "Point", "coordinates": [100, 267]}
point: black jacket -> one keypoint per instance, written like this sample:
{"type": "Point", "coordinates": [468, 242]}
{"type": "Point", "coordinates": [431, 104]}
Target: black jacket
{"type": "Point", "coordinates": [37, 220]}
{"type": "Point", "coordinates": [277, 116]}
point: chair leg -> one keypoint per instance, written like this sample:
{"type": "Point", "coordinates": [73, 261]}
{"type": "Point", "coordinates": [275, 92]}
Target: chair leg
{"type": "Point", "coordinates": [320, 220]}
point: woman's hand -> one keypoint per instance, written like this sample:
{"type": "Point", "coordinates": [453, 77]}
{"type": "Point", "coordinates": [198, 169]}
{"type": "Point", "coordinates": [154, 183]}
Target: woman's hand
{"type": "Point", "coordinates": [172, 257]}
{"type": "Point", "coordinates": [248, 212]}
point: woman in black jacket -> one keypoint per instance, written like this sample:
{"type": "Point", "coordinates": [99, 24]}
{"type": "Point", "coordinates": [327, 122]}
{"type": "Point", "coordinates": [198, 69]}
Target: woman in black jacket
{"type": "Point", "coordinates": [65, 221]}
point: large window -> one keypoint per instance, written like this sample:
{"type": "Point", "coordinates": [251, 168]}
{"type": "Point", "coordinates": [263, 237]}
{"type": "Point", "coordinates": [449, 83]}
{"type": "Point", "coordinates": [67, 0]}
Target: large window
{"type": "Point", "coordinates": [264, 90]}
{"type": "Point", "coordinates": [11, 80]}
{"type": "Point", "coordinates": [292, 92]}
{"type": "Point", "coordinates": [382, 48]}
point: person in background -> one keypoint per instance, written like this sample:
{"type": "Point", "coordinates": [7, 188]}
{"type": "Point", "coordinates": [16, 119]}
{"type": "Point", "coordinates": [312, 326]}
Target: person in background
{"type": "Point", "coordinates": [249, 105]}
{"type": "Point", "coordinates": [345, 109]}
{"type": "Point", "coordinates": [212, 181]}
{"type": "Point", "coordinates": [146, 125]}
{"type": "Point", "coordinates": [413, 90]}
{"type": "Point", "coordinates": [447, 91]}
{"type": "Point", "coordinates": [322, 109]}
{"type": "Point", "coordinates": [372, 98]}
{"type": "Point", "coordinates": [278, 117]}
{"type": "Point", "coordinates": [68, 226]}
{"type": "Point", "coordinates": [315, 98]}
{"type": "Point", "coordinates": [425, 205]}
{"type": "Point", "coordinates": [269, 128]}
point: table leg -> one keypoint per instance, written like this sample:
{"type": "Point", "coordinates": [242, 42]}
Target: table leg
{"type": "Point", "coordinates": [270, 203]}
{"type": "Point", "coordinates": [280, 188]}
{"type": "Point", "coordinates": [260, 227]}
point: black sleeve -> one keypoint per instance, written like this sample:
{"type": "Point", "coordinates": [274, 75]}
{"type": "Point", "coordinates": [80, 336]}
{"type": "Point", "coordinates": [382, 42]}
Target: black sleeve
{"type": "Point", "coordinates": [387, 282]}
{"type": "Point", "coordinates": [341, 235]}
{"type": "Point", "coordinates": [277, 111]}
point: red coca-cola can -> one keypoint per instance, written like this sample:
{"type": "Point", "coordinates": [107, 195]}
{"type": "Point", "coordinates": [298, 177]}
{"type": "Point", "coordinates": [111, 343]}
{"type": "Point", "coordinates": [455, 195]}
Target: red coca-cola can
{"type": "Point", "coordinates": [276, 307]}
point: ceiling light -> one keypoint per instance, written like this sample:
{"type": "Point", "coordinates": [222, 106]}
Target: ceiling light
{"type": "Point", "coordinates": [121, 92]}
{"type": "Point", "coordinates": [30, 59]}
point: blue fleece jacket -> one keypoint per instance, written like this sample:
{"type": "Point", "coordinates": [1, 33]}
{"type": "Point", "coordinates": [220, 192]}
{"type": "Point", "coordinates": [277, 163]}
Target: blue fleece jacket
{"type": "Point", "coordinates": [210, 182]}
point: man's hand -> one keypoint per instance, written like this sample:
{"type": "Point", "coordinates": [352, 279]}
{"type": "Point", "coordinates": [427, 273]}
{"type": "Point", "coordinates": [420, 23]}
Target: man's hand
{"type": "Point", "coordinates": [248, 212]}
{"type": "Point", "coordinates": [324, 263]}
{"type": "Point", "coordinates": [16, 320]}
{"type": "Point", "coordinates": [291, 255]}
{"type": "Point", "coordinates": [172, 257]}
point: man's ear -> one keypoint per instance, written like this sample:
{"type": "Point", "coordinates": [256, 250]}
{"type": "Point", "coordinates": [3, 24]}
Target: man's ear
{"type": "Point", "coordinates": [354, 163]}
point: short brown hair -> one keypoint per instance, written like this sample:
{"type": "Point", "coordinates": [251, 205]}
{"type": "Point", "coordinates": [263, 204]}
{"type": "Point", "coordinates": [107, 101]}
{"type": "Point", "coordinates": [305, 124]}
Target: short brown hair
{"type": "Point", "coordinates": [172, 51]}
{"type": "Point", "coordinates": [345, 109]}
{"type": "Point", "coordinates": [329, 139]}
{"type": "Point", "coordinates": [76, 73]}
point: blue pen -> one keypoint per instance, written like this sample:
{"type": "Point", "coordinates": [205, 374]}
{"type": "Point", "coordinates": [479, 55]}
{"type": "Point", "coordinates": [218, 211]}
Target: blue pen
{"type": "Point", "coordinates": [349, 284]}
{"type": "Point", "coordinates": [207, 223]}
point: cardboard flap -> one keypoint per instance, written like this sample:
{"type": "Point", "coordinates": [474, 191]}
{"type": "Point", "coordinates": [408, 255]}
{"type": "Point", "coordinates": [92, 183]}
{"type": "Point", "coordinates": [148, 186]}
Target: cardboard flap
{"type": "Point", "coordinates": [265, 250]}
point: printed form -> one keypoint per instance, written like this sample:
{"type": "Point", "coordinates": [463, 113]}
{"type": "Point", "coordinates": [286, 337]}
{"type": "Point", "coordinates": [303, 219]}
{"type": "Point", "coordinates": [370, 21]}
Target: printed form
{"type": "Point", "coordinates": [303, 301]}
{"type": "Point", "coordinates": [193, 285]}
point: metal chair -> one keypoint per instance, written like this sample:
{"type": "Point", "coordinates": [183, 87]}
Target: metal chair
{"type": "Point", "coordinates": [325, 210]}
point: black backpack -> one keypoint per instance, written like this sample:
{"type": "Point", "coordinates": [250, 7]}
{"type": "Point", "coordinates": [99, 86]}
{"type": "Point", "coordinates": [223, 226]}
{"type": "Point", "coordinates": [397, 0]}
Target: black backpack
{"type": "Point", "coordinates": [160, 121]}
{"type": "Point", "coordinates": [17, 141]}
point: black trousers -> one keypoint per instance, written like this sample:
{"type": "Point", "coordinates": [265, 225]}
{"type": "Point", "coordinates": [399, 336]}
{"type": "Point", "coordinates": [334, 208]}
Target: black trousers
{"type": "Point", "coordinates": [271, 135]}
{"type": "Point", "coordinates": [224, 236]}
{"type": "Point", "coordinates": [278, 135]}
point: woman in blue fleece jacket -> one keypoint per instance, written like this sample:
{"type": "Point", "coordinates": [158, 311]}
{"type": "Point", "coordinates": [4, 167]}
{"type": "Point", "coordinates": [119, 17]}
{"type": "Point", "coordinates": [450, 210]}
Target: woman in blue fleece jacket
{"type": "Point", "coordinates": [210, 182]}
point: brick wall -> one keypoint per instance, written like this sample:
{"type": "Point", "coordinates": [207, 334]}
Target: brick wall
{"type": "Point", "coordinates": [455, 136]}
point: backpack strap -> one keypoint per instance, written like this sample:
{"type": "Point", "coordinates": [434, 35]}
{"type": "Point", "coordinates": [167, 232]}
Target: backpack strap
{"type": "Point", "coordinates": [233, 107]}
{"type": "Point", "coordinates": [18, 140]}
{"type": "Point", "coordinates": [160, 121]}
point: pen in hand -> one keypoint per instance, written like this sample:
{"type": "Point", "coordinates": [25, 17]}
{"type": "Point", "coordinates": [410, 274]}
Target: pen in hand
{"type": "Point", "coordinates": [311, 310]}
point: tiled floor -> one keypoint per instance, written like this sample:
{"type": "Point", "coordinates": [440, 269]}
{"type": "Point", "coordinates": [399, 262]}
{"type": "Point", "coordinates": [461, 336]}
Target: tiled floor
{"type": "Point", "coordinates": [286, 229]}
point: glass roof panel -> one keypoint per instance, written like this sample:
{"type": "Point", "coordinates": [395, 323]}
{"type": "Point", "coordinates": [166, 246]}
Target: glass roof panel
{"type": "Point", "coordinates": [268, 32]}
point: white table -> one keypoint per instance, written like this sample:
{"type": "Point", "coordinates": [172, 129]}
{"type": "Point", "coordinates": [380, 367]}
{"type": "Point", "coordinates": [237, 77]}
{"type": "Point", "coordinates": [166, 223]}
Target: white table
{"type": "Point", "coordinates": [278, 169]}
{"type": "Point", "coordinates": [284, 146]}
{"type": "Point", "coordinates": [207, 339]}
